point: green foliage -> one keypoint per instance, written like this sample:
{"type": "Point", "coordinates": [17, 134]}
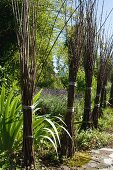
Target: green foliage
{"type": "Point", "coordinates": [9, 58]}
{"type": "Point", "coordinates": [106, 121]}
{"type": "Point", "coordinates": [79, 103]}
{"type": "Point", "coordinates": [10, 123]}
{"type": "Point", "coordinates": [7, 76]}
{"type": "Point", "coordinates": [81, 80]}
{"type": "Point", "coordinates": [47, 78]}
{"type": "Point", "coordinates": [46, 131]}
{"type": "Point", "coordinates": [49, 25]}
{"type": "Point", "coordinates": [47, 128]}
{"type": "Point", "coordinates": [7, 32]}
{"type": "Point", "coordinates": [2, 78]}
{"type": "Point", "coordinates": [90, 139]}
{"type": "Point", "coordinates": [54, 105]}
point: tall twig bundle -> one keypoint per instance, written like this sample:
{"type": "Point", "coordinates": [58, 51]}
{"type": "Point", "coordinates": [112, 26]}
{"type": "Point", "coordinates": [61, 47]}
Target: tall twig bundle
{"type": "Point", "coordinates": [111, 91]}
{"type": "Point", "coordinates": [89, 58]}
{"type": "Point", "coordinates": [75, 43]}
{"type": "Point", "coordinates": [25, 15]}
{"type": "Point", "coordinates": [108, 67]}
{"type": "Point", "coordinates": [105, 55]}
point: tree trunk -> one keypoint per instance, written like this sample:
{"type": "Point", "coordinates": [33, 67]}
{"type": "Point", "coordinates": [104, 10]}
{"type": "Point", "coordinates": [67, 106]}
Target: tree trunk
{"type": "Point", "coordinates": [88, 92]}
{"type": "Point", "coordinates": [87, 104]}
{"type": "Point", "coordinates": [97, 109]}
{"type": "Point", "coordinates": [103, 92]}
{"type": "Point", "coordinates": [27, 103]}
{"type": "Point", "coordinates": [111, 93]}
{"type": "Point", "coordinates": [69, 119]}
{"type": "Point", "coordinates": [103, 97]}
{"type": "Point", "coordinates": [68, 143]}
{"type": "Point", "coordinates": [28, 138]}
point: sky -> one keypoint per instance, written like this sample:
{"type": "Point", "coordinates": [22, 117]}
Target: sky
{"type": "Point", "coordinates": [108, 5]}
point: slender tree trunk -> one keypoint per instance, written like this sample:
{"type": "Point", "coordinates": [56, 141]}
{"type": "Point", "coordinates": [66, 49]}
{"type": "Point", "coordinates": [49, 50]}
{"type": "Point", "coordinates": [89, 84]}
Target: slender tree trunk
{"type": "Point", "coordinates": [111, 93]}
{"type": "Point", "coordinates": [97, 109]}
{"type": "Point", "coordinates": [87, 104]}
{"type": "Point", "coordinates": [28, 138]}
{"type": "Point", "coordinates": [27, 98]}
{"type": "Point", "coordinates": [103, 95]}
{"type": "Point", "coordinates": [86, 124]}
{"type": "Point", "coordinates": [102, 102]}
{"type": "Point", "coordinates": [69, 119]}
{"type": "Point", "coordinates": [74, 61]}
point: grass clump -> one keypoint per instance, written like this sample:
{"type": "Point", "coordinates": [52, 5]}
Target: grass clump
{"type": "Point", "coordinates": [78, 160]}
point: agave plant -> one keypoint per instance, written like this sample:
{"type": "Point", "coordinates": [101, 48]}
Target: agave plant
{"type": "Point", "coordinates": [10, 121]}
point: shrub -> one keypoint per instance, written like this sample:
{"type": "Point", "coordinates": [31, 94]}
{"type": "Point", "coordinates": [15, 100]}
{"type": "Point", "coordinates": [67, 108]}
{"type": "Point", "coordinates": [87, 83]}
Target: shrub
{"type": "Point", "coordinates": [91, 139]}
{"type": "Point", "coordinates": [54, 105]}
{"type": "Point", "coordinates": [106, 121]}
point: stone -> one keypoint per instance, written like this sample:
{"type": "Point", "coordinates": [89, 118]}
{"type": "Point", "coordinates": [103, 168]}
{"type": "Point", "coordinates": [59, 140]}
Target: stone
{"type": "Point", "coordinates": [95, 151]}
{"type": "Point", "coordinates": [103, 165]}
{"type": "Point", "coordinates": [111, 155]}
{"type": "Point", "coordinates": [106, 149]}
{"type": "Point", "coordinates": [74, 168]}
{"type": "Point", "coordinates": [91, 164]}
{"type": "Point", "coordinates": [108, 161]}
{"type": "Point", "coordinates": [64, 168]}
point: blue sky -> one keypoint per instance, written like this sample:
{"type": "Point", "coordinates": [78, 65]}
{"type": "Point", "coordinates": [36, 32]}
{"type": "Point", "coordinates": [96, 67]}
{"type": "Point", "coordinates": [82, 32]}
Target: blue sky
{"type": "Point", "coordinates": [108, 5]}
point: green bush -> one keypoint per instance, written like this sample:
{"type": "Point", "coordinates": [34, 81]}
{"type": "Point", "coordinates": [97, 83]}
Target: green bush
{"type": "Point", "coordinates": [81, 80]}
{"type": "Point", "coordinates": [91, 139]}
{"type": "Point", "coordinates": [106, 121]}
{"type": "Point", "coordinates": [53, 105]}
